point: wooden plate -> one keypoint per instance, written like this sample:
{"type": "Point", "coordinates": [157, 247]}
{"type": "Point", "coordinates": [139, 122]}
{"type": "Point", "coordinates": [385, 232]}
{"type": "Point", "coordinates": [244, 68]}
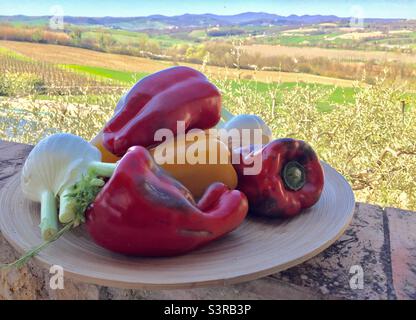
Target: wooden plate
{"type": "Point", "coordinates": [257, 248]}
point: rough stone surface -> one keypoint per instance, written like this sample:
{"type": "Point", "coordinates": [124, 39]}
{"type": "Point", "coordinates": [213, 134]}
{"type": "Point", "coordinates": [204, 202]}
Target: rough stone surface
{"type": "Point", "coordinates": [12, 157]}
{"type": "Point", "coordinates": [265, 288]}
{"type": "Point", "coordinates": [402, 233]}
{"type": "Point", "coordinates": [362, 245]}
{"type": "Point", "coordinates": [382, 243]}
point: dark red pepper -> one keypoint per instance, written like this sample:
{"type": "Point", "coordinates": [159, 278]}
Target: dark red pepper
{"type": "Point", "coordinates": [143, 211]}
{"type": "Point", "coordinates": [159, 101]}
{"type": "Point", "coordinates": [291, 178]}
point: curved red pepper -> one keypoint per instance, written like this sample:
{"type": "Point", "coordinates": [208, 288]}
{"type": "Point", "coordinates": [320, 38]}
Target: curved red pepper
{"type": "Point", "coordinates": [143, 211]}
{"type": "Point", "coordinates": [159, 101]}
{"type": "Point", "coordinates": [291, 178]}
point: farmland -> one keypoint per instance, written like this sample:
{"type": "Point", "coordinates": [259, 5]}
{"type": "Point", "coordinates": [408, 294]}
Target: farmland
{"type": "Point", "coordinates": [57, 78]}
{"type": "Point", "coordinates": [336, 94]}
{"type": "Point", "coordinates": [75, 56]}
{"type": "Point", "coordinates": [124, 77]}
{"type": "Point", "coordinates": [80, 68]}
{"type": "Point", "coordinates": [68, 55]}
{"type": "Point", "coordinates": [335, 48]}
{"type": "Point", "coordinates": [257, 28]}
{"type": "Point", "coordinates": [344, 55]}
{"type": "Point", "coordinates": [45, 76]}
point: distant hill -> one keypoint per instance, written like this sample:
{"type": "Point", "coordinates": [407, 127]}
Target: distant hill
{"type": "Point", "coordinates": [185, 20]}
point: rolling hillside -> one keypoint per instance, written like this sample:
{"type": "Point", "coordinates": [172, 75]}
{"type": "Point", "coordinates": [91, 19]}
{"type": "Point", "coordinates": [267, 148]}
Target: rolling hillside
{"type": "Point", "coordinates": [187, 20]}
{"type": "Point", "coordinates": [76, 56]}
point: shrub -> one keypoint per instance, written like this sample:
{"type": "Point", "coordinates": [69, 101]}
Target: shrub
{"type": "Point", "coordinates": [18, 84]}
{"type": "Point", "coordinates": [29, 120]}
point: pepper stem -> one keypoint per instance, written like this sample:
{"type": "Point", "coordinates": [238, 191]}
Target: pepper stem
{"type": "Point", "coordinates": [294, 175]}
{"type": "Point", "coordinates": [48, 215]}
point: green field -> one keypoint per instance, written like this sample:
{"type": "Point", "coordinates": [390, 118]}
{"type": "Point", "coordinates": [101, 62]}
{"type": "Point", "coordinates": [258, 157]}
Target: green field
{"type": "Point", "coordinates": [295, 40]}
{"type": "Point", "coordinates": [332, 97]}
{"type": "Point", "coordinates": [167, 41]}
{"type": "Point", "coordinates": [121, 76]}
{"type": "Point", "coordinates": [132, 38]}
{"type": "Point", "coordinates": [336, 95]}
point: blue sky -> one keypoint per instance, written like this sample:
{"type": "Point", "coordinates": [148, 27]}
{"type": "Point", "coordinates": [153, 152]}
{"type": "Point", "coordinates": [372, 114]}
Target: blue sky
{"type": "Point", "coordinates": [97, 8]}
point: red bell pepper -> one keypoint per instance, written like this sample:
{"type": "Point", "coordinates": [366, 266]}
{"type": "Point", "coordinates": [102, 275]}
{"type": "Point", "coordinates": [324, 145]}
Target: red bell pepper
{"type": "Point", "coordinates": [291, 178]}
{"type": "Point", "coordinates": [159, 101]}
{"type": "Point", "coordinates": [143, 211]}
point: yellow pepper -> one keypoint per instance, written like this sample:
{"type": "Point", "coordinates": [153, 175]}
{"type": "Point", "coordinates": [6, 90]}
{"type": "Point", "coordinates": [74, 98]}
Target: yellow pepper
{"type": "Point", "coordinates": [106, 156]}
{"type": "Point", "coordinates": [194, 176]}
{"type": "Point", "coordinates": [197, 176]}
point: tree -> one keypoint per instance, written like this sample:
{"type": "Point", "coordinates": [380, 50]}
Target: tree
{"type": "Point", "coordinates": [76, 35]}
{"type": "Point", "coordinates": [37, 36]}
{"type": "Point", "coordinates": [106, 41]}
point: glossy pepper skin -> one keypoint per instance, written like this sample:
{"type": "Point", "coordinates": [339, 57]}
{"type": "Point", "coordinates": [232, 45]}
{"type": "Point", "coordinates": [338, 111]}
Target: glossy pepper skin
{"type": "Point", "coordinates": [197, 177]}
{"type": "Point", "coordinates": [143, 211]}
{"type": "Point", "coordinates": [291, 178]}
{"type": "Point", "coordinates": [159, 101]}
